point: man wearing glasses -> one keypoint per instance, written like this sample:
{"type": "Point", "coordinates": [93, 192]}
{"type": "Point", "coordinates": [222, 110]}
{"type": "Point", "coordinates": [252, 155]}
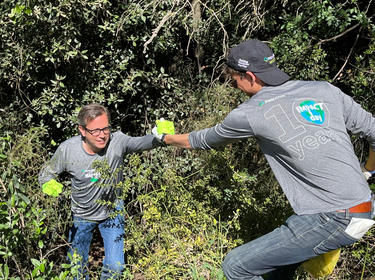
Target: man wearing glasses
{"type": "Point", "coordinates": [78, 156]}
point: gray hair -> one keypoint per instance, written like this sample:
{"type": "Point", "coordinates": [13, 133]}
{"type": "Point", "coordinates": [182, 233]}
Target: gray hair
{"type": "Point", "coordinates": [90, 112]}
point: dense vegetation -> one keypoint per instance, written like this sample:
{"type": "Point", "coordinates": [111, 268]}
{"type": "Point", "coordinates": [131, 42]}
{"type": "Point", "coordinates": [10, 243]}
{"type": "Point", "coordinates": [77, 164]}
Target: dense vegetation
{"type": "Point", "coordinates": [146, 60]}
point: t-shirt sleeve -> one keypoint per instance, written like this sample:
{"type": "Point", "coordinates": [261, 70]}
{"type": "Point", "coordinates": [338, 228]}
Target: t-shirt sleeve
{"type": "Point", "coordinates": [130, 144]}
{"type": "Point", "coordinates": [358, 120]}
{"type": "Point", "coordinates": [54, 167]}
{"type": "Point", "coordinates": [235, 127]}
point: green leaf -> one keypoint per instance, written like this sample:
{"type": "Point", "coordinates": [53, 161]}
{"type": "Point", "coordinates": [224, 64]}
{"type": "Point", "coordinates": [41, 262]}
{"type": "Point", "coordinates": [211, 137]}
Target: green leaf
{"type": "Point", "coordinates": [28, 11]}
{"type": "Point", "coordinates": [35, 262]}
{"type": "Point", "coordinates": [42, 267]}
{"type": "Point", "coordinates": [24, 198]}
{"type": "Point", "coordinates": [5, 271]}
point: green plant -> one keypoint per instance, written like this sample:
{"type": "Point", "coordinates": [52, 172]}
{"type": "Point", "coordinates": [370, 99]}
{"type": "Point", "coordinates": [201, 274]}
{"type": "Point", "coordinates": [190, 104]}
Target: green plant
{"type": "Point", "coordinates": [171, 235]}
{"type": "Point", "coordinates": [150, 59]}
{"type": "Point", "coordinates": [27, 236]}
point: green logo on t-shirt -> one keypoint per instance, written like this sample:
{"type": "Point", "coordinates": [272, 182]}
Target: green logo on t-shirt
{"type": "Point", "coordinates": [94, 176]}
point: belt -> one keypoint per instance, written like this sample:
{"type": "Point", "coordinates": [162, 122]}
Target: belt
{"type": "Point", "coordinates": [360, 208]}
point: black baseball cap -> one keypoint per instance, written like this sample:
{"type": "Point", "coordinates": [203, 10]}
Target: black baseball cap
{"type": "Point", "coordinates": [255, 56]}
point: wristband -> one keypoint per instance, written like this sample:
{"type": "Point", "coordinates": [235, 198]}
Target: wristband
{"type": "Point", "coordinates": [371, 172]}
{"type": "Point", "coordinates": [162, 139]}
{"type": "Point", "coordinates": [366, 173]}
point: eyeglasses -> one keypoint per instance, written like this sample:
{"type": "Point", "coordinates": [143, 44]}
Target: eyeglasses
{"type": "Point", "coordinates": [233, 81]}
{"type": "Point", "coordinates": [96, 131]}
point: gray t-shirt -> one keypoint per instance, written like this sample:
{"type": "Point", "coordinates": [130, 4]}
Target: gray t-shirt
{"type": "Point", "coordinates": [301, 127]}
{"type": "Point", "coordinates": [87, 184]}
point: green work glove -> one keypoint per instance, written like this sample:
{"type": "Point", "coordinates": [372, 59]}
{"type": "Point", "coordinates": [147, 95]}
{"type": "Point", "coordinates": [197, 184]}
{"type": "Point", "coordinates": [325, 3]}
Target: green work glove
{"type": "Point", "coordinates": [52, 187]}
{"type": "Point", "coordinates": [161, 129]}
{"type": "Point", "coordinates": [164, 127]}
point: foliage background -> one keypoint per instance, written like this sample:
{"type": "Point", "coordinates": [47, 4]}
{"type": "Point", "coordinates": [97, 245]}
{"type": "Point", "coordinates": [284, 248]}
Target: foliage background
{"type": "Point", "coordinates": [150, 59]}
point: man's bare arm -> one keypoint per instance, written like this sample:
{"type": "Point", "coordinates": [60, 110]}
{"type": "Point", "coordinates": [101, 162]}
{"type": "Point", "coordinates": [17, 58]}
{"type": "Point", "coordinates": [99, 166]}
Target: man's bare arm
{"type": "Point", "coordinates": [370, 163]}
{"type": "Point", "coordinates": [178, 140]}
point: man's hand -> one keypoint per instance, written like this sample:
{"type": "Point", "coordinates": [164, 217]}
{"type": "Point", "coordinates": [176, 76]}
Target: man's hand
{"type": "Point", "coordinates": [52, 187]}
{"type": "Point", "coordinates": [366, 172]}
{"type": "Point", "coordinates": [162, 128]}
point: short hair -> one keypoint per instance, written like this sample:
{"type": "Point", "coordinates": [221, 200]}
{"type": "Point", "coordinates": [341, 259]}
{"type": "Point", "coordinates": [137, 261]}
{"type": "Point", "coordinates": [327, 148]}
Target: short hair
{"type": "Point", "coordinates": [229, 71]}
{"type": "Point", "coordinates": [90, 112]}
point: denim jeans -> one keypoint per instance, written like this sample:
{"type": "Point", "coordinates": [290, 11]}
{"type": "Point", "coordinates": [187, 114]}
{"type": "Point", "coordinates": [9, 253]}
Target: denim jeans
{"type": "Point", "coordinates": [112, 232]}
{"type": "Point", "coordinates": [282, 250]}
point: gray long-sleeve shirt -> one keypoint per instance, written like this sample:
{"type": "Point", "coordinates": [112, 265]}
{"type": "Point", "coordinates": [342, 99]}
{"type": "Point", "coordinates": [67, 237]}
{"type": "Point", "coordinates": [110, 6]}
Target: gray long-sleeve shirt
{"type": "Point", "coordinates": [87, 184]}
{"type": "Point", "coordinates": [301, 128]}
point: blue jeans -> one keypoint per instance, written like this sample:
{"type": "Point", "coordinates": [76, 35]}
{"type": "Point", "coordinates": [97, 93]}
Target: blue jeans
{"type": "Point", "coordinates": [112, 232]}
{"type": "Point", "coordinates": [282, 250]}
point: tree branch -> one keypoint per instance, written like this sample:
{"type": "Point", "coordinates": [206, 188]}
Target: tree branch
{"type": "Point", "coordinates": [348, 56]}
{"type": "Point", "coordinates": [339, 35]}
{"type": "Point", "coordinates": [157, 29]}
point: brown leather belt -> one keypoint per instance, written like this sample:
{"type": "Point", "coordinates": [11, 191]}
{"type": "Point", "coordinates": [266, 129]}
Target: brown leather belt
{"type": "Point", "coordinates": [360, 208]}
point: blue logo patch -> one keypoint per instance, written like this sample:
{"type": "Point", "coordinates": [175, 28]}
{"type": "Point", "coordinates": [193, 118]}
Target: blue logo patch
{"type": "Point", "coordinates": [312, 111]}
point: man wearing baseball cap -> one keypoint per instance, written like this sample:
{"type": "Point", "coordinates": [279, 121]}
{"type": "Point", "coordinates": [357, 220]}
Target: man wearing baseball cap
{"type": "Point", "coordinates": [302, 128]}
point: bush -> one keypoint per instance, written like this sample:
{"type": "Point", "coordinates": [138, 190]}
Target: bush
{"type": "Point", "coordinates": [31, 230]}
{"type": "Point", "coordinates": [171, 235]}
{"type": "Point", "coordinates": [150, 59]}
